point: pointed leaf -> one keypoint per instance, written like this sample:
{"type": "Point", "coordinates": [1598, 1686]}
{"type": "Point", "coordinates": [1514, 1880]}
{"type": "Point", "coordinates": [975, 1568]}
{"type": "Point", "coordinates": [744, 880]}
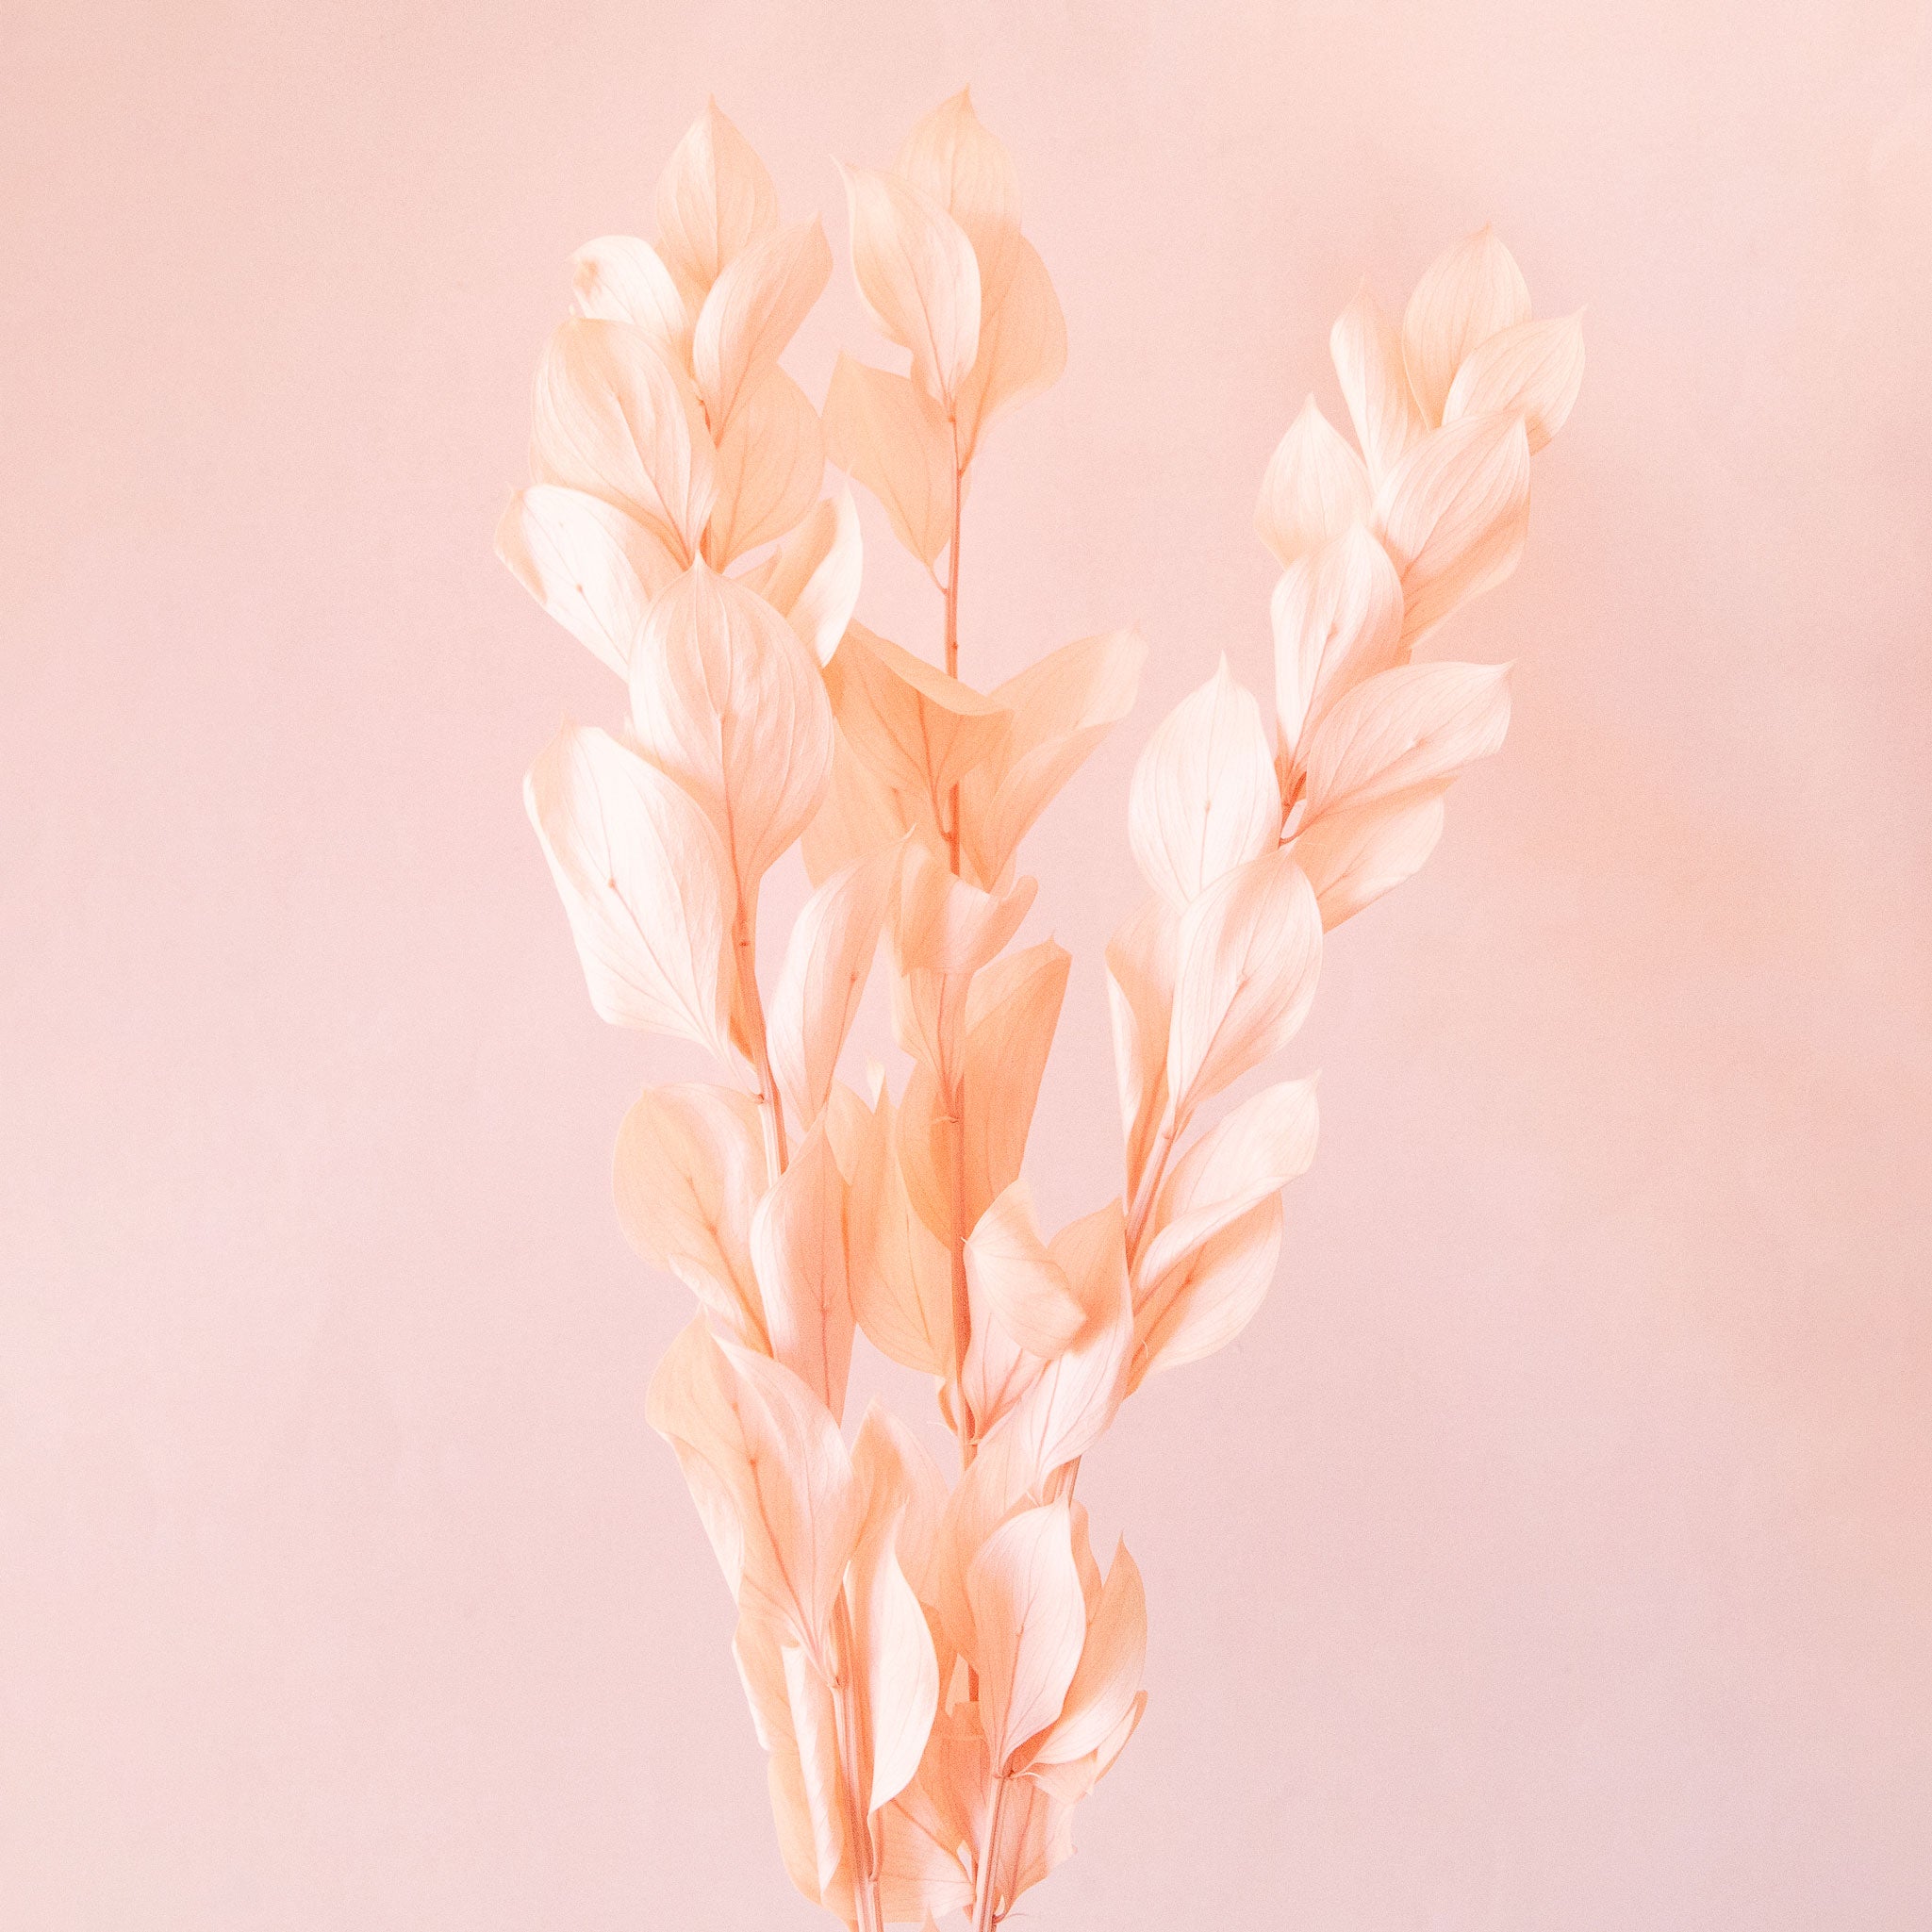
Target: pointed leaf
{"type": "Point", "coordinates": [1337, 620]}
{"type": "Point", "coordinates": [752, 311]}
{"type": "Point", "coordinates": [643, 879]}
{"type": "Point", "coordinates": [894, 437]}
{"type": "Point", "coordinates": [1008, 1265]}
{"type": "Point", "coordinates": [902, 1275]}
{"type": "Point", "coordinates": [799, 1254]}
{"type": "Point", "coordinates": [1111, 1661]}
{"type": "Point", "coordinates": [1314, 487]}
{"type": "Point", "coordinates": [951, 157]}
{"type": "Point", "coordinates": [1466, 295]}
{"type": "Point", "coordinates": [917, 276]}
{"type": "Point", "coordinates": [1368, 350]}
{"type": "Point", "coordinates": [715, 199]}
{"type": "Point", "coordinates": [1355, 855]}
{"type": "Point", "coordinates": [619, 278]}
{"type": "Point", "coordinates": [815, 576]}
{"type": "Point", "coordinates": [1534, 370]}
{"type": "Point", "coordinates": [1031, 1622]}
{"type": "Point", "coordinates": [1022, 350]}
{"type": "Point", "coordinates": [1416, 725]}
{"type": "Point", "coordinates": [769, 465]}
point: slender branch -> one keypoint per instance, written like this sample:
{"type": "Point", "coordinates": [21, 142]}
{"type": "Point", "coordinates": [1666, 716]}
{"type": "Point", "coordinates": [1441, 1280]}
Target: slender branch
{"type": "Point", "coordinates": [986, 1915]}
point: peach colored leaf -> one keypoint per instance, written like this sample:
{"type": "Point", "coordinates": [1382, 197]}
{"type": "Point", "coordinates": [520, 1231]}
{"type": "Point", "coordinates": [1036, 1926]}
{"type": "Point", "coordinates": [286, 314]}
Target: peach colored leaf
{"type": "Point", "coordinates": [815, 1727]}
{"type": "Point", "coordinates": [1246, 1158]}
{"type": "Point", "coordinates": [751, 313]}
{"type": "Point", "coordinates": [1022, 350]}
{"type": "Point", "coordinates": [1030, 1619]}
{"type": "Point", "coordinates": [917, 276]}
{"type": "Point", "coordinates": [900, 1665]}
{"type": "Point", "coordinates": [1248, 951]}
{"type": "Point", "coordinates": [715, 199]}
{"type": "Point", "coordinates": [796, 1496]}
{"type": "Point", "coordinates": [1453, 515]}
{"type": "Point", "coordinates": [644, 881]}
{"type": "Point", "coordinates": [1534, 369]}
{"type": "Point", "coordinates": [1213, 1296]}
{"type": "Point", "coordinates": [1418, 724]}
{"type": "Point", "coordinates": [1205, 798]}
{"type": "Point", "coordinates": [826, 964]}
{"type": "Point", "coordinates": [901, 1281]}
{"type": "Point", "coordinates": [591, 567]}
{"type": "Point", "coordinates": [952, 158]}
{"type": "Point", "coordinates": [919, 730]}
{"type": "Point", "coordinates": [860, 813]}
{"type": "Point", "coordinates": [1140, 999]}
{"type": "Point", "coordinates": [1070, 1783]}
{"type": "Point", "coordinates": [1075, 1396]}
{"type": "Point", "coordinates": [728, 701]}
{"type": "Point", "coordinates": [1469, 294]}
{"type": "Point", "coordinates": [1062, 707]}
{"type": "Point", "coordinates": [1314, 487]}
{"type": "Point", "coordinates": [893, 437]}
{"type": "Point", "coordinates": [791, 1813]}
{"type": "Point", "coordinates": [1337, 618]}
{"type": "Point", "coordinates": [947, 925]}
{"type": "Point", "coordinates": [998, 1371]}
{"type": "Point", "coordinates": [1009, 1265]}
{"type": "Point", "coordinates": [1354, 855]}
{"type": "Point", "coordinates": [759, 1654]}
{"type": "Point", "coordinates": [900, 1487]}
{"type": "Point", "coordinates": [687, 1173]}
{"type": "Point", "coordinates": [814, 575]}
{"type": "Point", "coordinates": [1036, 1836]}
{"type": "Point", "coordinates": [612, 417]}
{"type": "Point", "coordinates": [690, 1404]}
{"type": "Point", "coordinates": [1112, 1661]}
{"type": "Point", "coordinates": [1367, 350]}
{"type": "Point", "coordinates": [1011, 1012]}
{"type": "Point", "coordinates": [1000, 1479]}
{"type": "Point", "coordinates": [922, 1139]}
{"type": "Point", "coordinates": [619, 278]}
{"type": "Point", "coordinates": [798, 1255]}
{"type": "Point", "coordinates": [919, 1868]}
{"type": "Point", "coordinates": [771, 463]}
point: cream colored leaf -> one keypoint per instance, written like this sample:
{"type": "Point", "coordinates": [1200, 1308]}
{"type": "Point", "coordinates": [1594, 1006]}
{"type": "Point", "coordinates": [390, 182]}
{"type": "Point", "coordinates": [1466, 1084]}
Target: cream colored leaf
{"type": "Point", "coordinates": [1250, 948]}
{"type": "Point", "coordinates": [644, 881]}
{"type": "Point", "coordinates": [1062, 707]}
{"type": "Point", "coordinates": [591, 567]}
{"type": "Point", "coordinates": [815, 1726]}
{"type": "Point", "coordinates": [690, 1403]}
{"type": "Point", "coordinates": [1205, 798]}
{"type": "Point", "coordinates": [1010, 1266]}
{"type": "Point", "coordinates": [826, 964]}
{"type": "Point", "coordinates": [946, 925]}
{"type": "Point", "coordinates": [1453, 515]}
{"type": "Point", "coordinates": [619, 278]}
{"type": "Point", "coordinates": [715, 199]}
{"type": "Point", "coordinates": [1534, 369]}
{"type": "Point", "coordinates": [1246, 1158]}
{"type": "Point", "coordinates": [901, 1487]}
{"type": "Point", "coordinates": [1070, 1783]}
{"type": "Point", "coordinates": [1314, 487]}
{"type": "Point", "coordinates": [1213, 1296]}
{"type": "Point", "coordinates": [799, 1254]}
{"type": "Point", "coordinates": [1354, 855]}
{"type": "Point", "coordinates": [1418, 724]}
{"type": "Point", "coordinates": [917, 276]}
{"type": "Point", "coordinates": [751, 313]}
{"type": "Point", "coordinates": [1337, 617]}
{"type": "Point", "coordinates": [728, 701]}
{"type": "Point", "coordinates": [688, 1170]}
{"type": "Point", "coordinates": [769, 466]}
{"type": "Point", "coordinates": [894, 437]}
{"type": "Point", "coordinates": [1140, 996]}
{"type": "Point", "coordinates": [1022, 350]}
{"type": "Point", "coordinates": [1469, 294]}
{"type": "Point", "coordinates": [613, 417]}
{"type": "Point", "coordinates": [1367, 350]}
{"type": "Point", "coordinates": [860, 815]}
{"type": "Point", "coordinates": [1031, 1622]}
{"type": "Point", "coordinates": [815, 576]}
{"type": "Point", "coordinates": [952, 158]}
{"type": "Point", "coordinates": [1112, 1662]}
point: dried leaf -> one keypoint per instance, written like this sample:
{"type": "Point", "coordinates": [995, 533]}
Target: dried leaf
{"type": "Point", "coordinates": [753, 312]}
{"type": "Point", "coordinates": [1367, 350]}
{"type": "Point", "coordinates": [1214, 1295]}
{"type": "Point", "coordinates": [612, 417]}
{"type": "Point", "coordinates": [688, 1170]}
{"type": "Point", "coordinates": [1250, 948]}
{"type": "Point", "coordinates": [799, 1247]}
{"type": "Point", "coordinates": [1141, 958]}
{"type": "Point", "coordinates": [951, 157]}
{"type": "Point", "coordinates": [1354, 855]}
{"type": "Point", "coordinates": [902, 1277]}
{"type": "Point", "coordinates": [591, 567]}
{"type": "Point", "coordinates": [917, 276]}
{"type": "Point", "coordinates": [1534, 370]}
{"type": "Point", "coordinates": [728, 701]}
{"type": "Point", "coordinates": [1314, 487]}
{"type": "Point", "coordinates": [1107, 1683]}
{"type": "Point", "coordinates": [769, 465]}
{"type": "Point", "coordinates": [814, 578]}
{"type": "Point", "coordinates": [1010, 1266]}
{"type": "Point", "coordinates": [1466, 295]}
{"type": "Point", "coordinates": [1010, 1016]}
{"type": "Point", "coordinates": [643, 880]}
{"type": "Point", "coordinates": [888, 432]}
{"type": "Point", "coordinates": [1205, 798]}
{"type": "Point", "coordinates": [1031, 1621]}
{"type": "Point", "coordinates": [715, 199]}
{"type": "Point", "coordinates": [1022, 350]}
{"type": "Point", "coordinates": [918, 729]}
{"type": "Point", "coordinates": [619, 278]}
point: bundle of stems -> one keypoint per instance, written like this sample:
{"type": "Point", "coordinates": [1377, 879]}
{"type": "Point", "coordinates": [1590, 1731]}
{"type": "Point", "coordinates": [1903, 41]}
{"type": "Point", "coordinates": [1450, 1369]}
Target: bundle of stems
{"type": "Point", "coordinates": [939, 1672]}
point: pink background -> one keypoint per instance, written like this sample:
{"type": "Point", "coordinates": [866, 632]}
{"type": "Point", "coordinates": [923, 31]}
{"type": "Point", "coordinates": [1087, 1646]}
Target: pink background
{"type": "Point", "coordinates": [1553, 1552]}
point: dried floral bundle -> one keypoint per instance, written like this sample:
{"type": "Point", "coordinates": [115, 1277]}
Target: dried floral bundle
{"type": "Point", "coordinates": [940, 1675]}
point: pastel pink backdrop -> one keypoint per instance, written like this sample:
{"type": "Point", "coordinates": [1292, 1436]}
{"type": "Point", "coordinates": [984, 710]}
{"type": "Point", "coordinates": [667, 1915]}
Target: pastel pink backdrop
{"type": "Point", "coordinates": [1551, 1555]}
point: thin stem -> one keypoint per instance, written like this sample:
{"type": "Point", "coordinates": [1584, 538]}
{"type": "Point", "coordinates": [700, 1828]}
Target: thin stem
{"type": "Point", "coordinates": [984, 1915]}
{"type": "Point", "coordinates": [771, 1103]}
{"type": "Point", "coordinates": [852, 1754]}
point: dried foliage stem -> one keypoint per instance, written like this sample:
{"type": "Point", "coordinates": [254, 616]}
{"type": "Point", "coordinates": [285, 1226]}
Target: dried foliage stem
{"type": "Point", "coordinates": [938, 1679]}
